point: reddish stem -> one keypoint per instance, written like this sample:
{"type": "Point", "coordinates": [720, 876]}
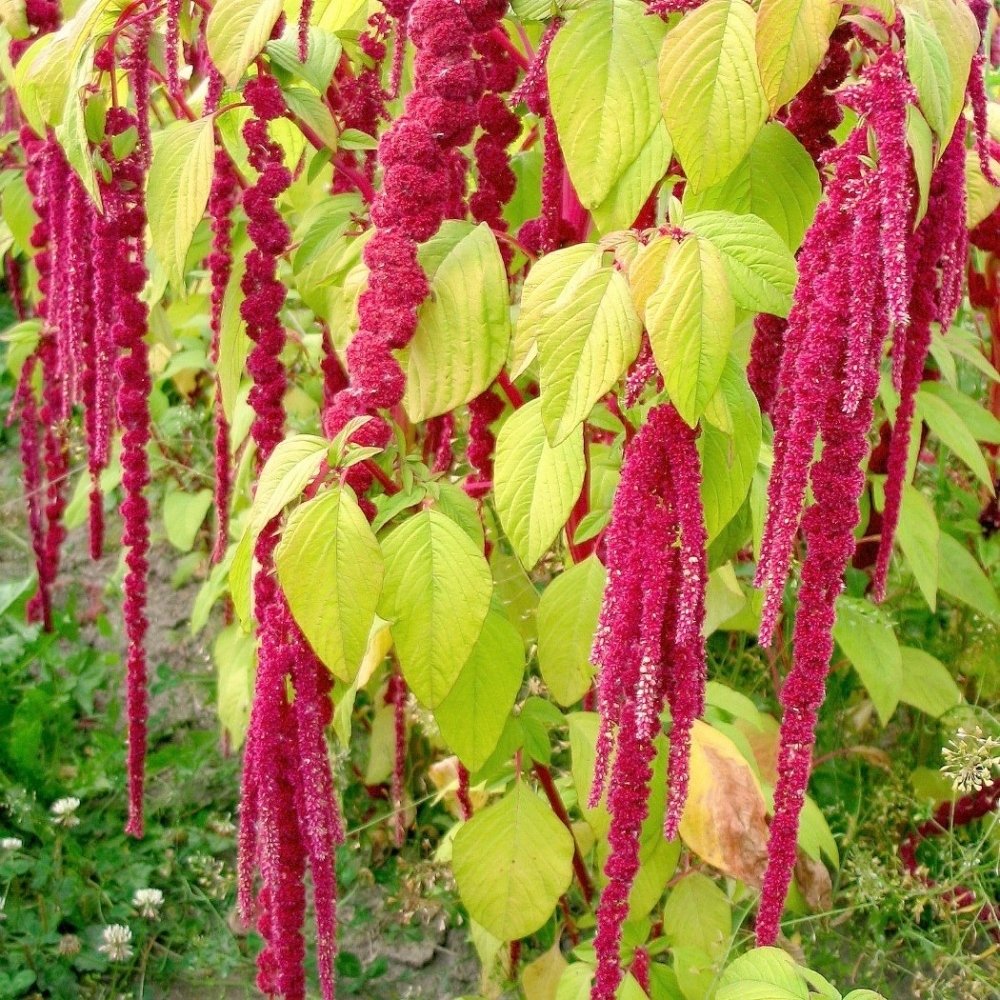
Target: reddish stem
{"type": "Point", "coordinates": [544, 776]}
{"type": "Point", "coordinates": [510, 390]}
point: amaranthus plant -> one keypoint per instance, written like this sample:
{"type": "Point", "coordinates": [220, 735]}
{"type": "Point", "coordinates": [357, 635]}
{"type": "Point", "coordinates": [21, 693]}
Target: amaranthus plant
{"type": "Point", "coordinates": [562, 359]}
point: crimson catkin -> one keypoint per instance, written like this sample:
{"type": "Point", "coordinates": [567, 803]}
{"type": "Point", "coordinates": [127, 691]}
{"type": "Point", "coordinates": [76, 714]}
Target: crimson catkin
{"type": "Point", "coordinates": [649, 650]}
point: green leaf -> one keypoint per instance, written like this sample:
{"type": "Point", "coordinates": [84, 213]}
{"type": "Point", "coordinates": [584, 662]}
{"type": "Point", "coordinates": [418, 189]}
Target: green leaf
{"type": "Point", "coordinates": [463, 327]}
{"type": "Point", "coordinates": [961, 576]}
{"type": "Point", "coordinates": [921, 143]}
{"type": "Point", "coordinates": [918, 536]}
{"type": "Point", "coordinates": [324, 53]}
{"type": "Point", "coordinates": [867, 639]}
{"type": "Point", "coordinates": [602, 83]}
{"type": "Point", "coordinates": [512, 861]}
{"type": "Point", "coordinates": [760, 267]}
{"type": "Point", "coordinates": [792, 38]}
{"type": "Point", "coordinates": [928, 684]}
{"type": "Point", "coordinates": [950, 29]}
{"type": "Point", "coordinates": [777, 181]}
{"type": "Point", "coordinates": [710, 89]}
{"type": "Point", "coordinates": [180, 178]}
{"type": "Point", "coordinates": [951, 430]}
{"type": "Point", "coordinates": [587, 337]}
{"type": "Point", "coordinates": [762, 974]}
{"type": "Point", "coordinates": [310, 109]}
{"type": "Point", "coordinates": [690, 318]}
{"type": "Point", "coordinates": [183, 514]}
{"type": "Point", "coordinates": [567, 620]}
{"type": "Point", "coordinates": [330, 568]}
{"type": "Point", "coordinates": [698, 915]}
{"type": "Point", "coordinates": [234, 654]}
{"type": "Point", "coordinates": [982, 198]}
{"type": "Point", "coordinates": [473, 715]}
{"type": "Point", "coordinates": [292, 465]}
{"type": "Point", "coordinates": [237, 33]}
{"type": "Point", "coordinates": [631, 191]}
{"type": "Point", "coordinates": [728, 460]}
{"type": "Point", "coordinates": [928, 69]}
{"type": "Point", "coordinates": [436, 595]}
{"type": "Point", "coordinates": [981, 423]}
{"type": "Point", "coordinates": [234, 343]}
{"type": "Point", "coordinates": [536, 484]}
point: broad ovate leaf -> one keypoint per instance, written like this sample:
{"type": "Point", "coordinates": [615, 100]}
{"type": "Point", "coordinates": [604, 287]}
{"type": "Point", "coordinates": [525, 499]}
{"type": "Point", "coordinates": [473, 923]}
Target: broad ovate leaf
{"type": "Point", "coordinates": [330, 568]}
{"type": "Point", "coordinates": [792, 38]}
{"type": "Point", "coordinates": [536, 484]}
{"type": "Point", "coordinates": [436, 594]}
{"type": "Point", "coordinates": [463, 327]}
{"type": "Point", "coordinates": [602, 84]}
{"type": "Point", "coordinates": [760, 267]}
{"type": "Point", "coordinates": [867, 639]}
{"type": "Point", "coordinates": [586, 338]}
{"type": "Point", "coordinates": [711, 91]}
{"type": "Point", "coordinates": [291, 466]}
{"type": "Point", "coordinates": [928, 684]}
{"type": "Point", "coordinates": [177, 189]}
{"type": "Point", "coordinates": [690, 317]}
{"type": "Point", "coordinates": [512, 861]}
{"type": "Point", "coordinates": [777, 181]}
{"type": "Point", "coordinates": [567, 620]}
{"type": "Point", "coordinates": [237, 33]}
{"type": "Point", "coordinates": [473, 714]}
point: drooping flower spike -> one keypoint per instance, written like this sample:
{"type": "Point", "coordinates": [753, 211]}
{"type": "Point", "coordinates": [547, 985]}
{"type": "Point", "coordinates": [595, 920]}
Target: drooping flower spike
{"type": "Point", "coordinates": [649, 651]}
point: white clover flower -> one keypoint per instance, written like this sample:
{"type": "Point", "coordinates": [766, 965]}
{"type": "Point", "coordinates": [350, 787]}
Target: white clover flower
{"type": "Point", "coordinates": [64, 811]}
{"type": "Point", "coordinates": [117, 943]}
{"type": "Point", "coordinates": [11, 844]}
{"type": "Point", "coordinates": [148, 902]}
{"type": "Point", "coordinates": [69, 945]}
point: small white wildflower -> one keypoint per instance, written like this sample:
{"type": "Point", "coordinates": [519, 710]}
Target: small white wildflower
{"type": "Point", "coordinates": [970, 759]}
{"type": "Point", "coordinates": [69, 945]}
{"type": "Point", "coordinates": [64, 811]}
{"type": "Point", "coordinates": [148, 902]}
{"type": "Point", "coordinates": [11, 844]}
{"type": "Point", "coordinates": [117, 943]}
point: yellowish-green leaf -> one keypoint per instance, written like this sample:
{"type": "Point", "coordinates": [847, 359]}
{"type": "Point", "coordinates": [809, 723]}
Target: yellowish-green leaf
{"type": "Point", "coordinates": [310, 109]}
{"type": "Point", "coordinates": [952, 431]}
{"type": "Point", "coordinates": [567, 620]}
{"type": "Point", "coordinates": [777, 181]}
{"type": "Point", "coordinates": [180, 178]}
{"type": "Point", "coordinates": [234, 344]}
{"type": "Point", "coordinates": [436, 595]}
{"type": "Point", "coordinates": [921, 142]}
{"type": "Point", "coordinates": [928, 68]}
{"type": "Point", "coordinates": [512, 862]}
{"type": "Point", "coordinates": [463, 327]}
{"type": "Point", "coordinates": [710, 89]}
{"type": "Point", "coordinates": [982, 198]}
{"type": "Point", "coordinates": [792, 38]}
{"type": "Point", "coordinates": [14, 19]}
{"type": "Point", "coordinates": [602, 85]}
{"type": "Point", "coordinates": [960, 576]}
{"type": "Point", "coordinates": [540, 979]}
{"type": "Point", "coordinates": [690, 318]}
{"type": "Point", "coordinates": [929, 686]}
{"type": "Point", "coordinates": [631, 191]}
{"type": "Point", "coordinates": [536, 484]}
{"type": "Point", "coordinates": [324, 53]}
{"type": "Point", "coordinates": [473, 715]}
{"type": "Point", "coordinates": [241, 578]}
{"type": "Point", "coordinates": [291, 466]}
{"type": "Point", "coordinates": [183, 515]}
{"type": "Point", "coordinates": [698, 915]}
{"type": "Point", "coordinates": [867, 638]}
{"type": "Point", "coordinates": [918, 535]}
{"type": "Point", "coordinates": [587, 338]}
{"type": "Point", "coordinates": [237, 33]}
{"type": "Point", "coordinates": [760, 267]}
{"type": "Point", "coordinates": [330, 568]}
{"type": "Point", "coordinates": [234, 654]}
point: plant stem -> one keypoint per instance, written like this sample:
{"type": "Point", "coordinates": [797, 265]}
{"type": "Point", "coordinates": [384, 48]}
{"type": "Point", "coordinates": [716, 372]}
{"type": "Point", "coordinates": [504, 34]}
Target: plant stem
{"type": "Point", "coordinates": [544, 776]}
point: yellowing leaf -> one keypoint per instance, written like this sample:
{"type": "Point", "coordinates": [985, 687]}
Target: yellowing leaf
{"type": "Point", "coordinates": [463, 327]}
{"type": "Point", "coordinates": [724, 817]}
{"type": "Point", "coordinates": [586, 339]}
{"type": "Point", "coordinates": [512, 862]}
{"type": "Point", "coordinates": [601, 75]}
{"type": "Point", "coordinates": [436, 595]}
{"type": "Point", "coordinates": [710, 88]}
{"type": "Point", "coordinates": [536, 484]}
{"type": "Point", "coordinates": [177, 189]}
{"type": "Point", "coordinates": [292, 464]}
{"type": "Point", "coordinates": [567, 620]}
{"type": "Point", "coordinates": [330, 568]}
{"type": "Point", "coordinates": [792, 38]}
{"type": "Point", "coordinates": [540, 979]}
{"type": "Point", "coordinates": [237, 33]}
{"type": "Point", "coordinates": [690, 318]}
{"type": "Point", "coordinates": [473, 714]}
